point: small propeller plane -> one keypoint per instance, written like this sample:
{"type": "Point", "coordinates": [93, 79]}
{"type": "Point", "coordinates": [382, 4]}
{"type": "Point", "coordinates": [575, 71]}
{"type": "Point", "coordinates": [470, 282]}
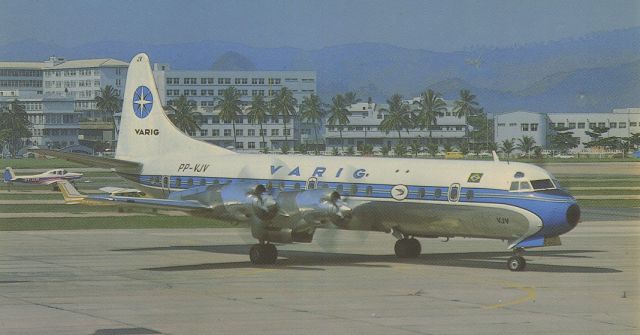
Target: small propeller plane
{"type": "Point", "coordinates": [284, 199]}
{"type": "Point", "coordinates": [72, 196]}
{"type": "Point", "coordinates": [46, 178]}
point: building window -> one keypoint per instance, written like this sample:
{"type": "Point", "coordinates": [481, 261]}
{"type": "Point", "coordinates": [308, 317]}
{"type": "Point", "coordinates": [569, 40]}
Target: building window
{"type": "Point", "coordinates": [263, 132]}
{"type": "Point", "coordinates": [239, 145]}
{"type": "Point", "coordinates": [189, 81]}
{"type": "Point", "coordinates": [227, 132]}
{"type": "Point", "coordinates": [251, 145]}
{"type": "Point", "coordinates": [592, 125]}
{"type": "Point", "coordinates": [274, 81]}
{"type": "Point", "coordinates": [251, 132]}
{"type": "Point", "coordinates": [560, 125]}
{"type": "Point", "coordinates": [287, 132]}
{"type": "Point", "coordinates": [241, 81]}
{"type": "Point", "coordinates": [525, 127]}
{"type": "Point", "coordinates": [572, 125]}
{"type": "Point", "coordinates": [224, 81]}
{"type": "Point", "coordinates": [622, 125]}
{"type": "Point", "coordinates": [513, 124]}
{"type": "Point", "coordinates": [204, 81]}
{"type": "Point", "coordinates": [581, 125]}
{"type": "Point", "coordinates": [601, 124]}
{"type": "Point", "coordinates": [275, 132]}
{"type": "Point", "coordinates": [215, 132]}
{"type": "Point", "coordinates": [613, 125]}
{"type": "Point", "coordinates": [257, 81]}
{"type": "Point", "coordinates": [239, 132]}
{"type": "Point", "coordinates": [204, 132]}
{"type": "Point", "coordinates": [633, 124]}
{"type": "Point", "coordinates": [534, 127]}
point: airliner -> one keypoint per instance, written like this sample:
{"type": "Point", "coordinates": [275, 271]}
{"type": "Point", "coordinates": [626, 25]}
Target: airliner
{"type": "Point", "coordinates": [46, 178]}
{"type": "Point", "coordinates": [286, 198]}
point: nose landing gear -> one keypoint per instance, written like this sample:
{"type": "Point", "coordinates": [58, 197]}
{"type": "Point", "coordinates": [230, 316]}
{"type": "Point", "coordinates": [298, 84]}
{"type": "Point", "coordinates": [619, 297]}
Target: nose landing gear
{"type": "Point", "coordinates": [517, 262]}
{"type": "Point", "coordinates": [408, 248]}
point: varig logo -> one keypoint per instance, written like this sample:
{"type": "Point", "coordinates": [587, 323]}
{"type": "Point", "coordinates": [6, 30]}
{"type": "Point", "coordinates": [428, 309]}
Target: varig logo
{"type": "Point", "coordinates": [142, 101]}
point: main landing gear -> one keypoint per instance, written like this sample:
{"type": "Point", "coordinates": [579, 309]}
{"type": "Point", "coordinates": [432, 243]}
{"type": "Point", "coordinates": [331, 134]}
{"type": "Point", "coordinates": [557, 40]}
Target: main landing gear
{"type": "Point", "coordinates": [517, 262]}
{"type": "Point", "coordinates": [408, 248]}
{"type": "Point", "coordinates": [263, 253]}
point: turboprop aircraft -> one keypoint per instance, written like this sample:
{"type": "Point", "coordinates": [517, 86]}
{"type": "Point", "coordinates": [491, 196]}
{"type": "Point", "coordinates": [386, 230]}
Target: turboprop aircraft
{"type": "Point", "coordinates": [45, 178]}
{"type": "Point", "coordinates": [285, 199]}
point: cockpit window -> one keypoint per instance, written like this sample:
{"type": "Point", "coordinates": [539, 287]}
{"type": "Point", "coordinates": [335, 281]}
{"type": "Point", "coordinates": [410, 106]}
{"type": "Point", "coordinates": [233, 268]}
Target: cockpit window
{"type": "Point", "coordinates": [524, 185]}
{"type": "Point", "coordinates": [542, 184]}
{"type": "Point", "coordinates": [514, 186]}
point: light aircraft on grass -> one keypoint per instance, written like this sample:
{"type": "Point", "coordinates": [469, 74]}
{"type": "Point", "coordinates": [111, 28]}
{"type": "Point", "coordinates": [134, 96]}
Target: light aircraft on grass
{"type": "Point", "coordinates": [286, 198]}
{"type": "Point", "coordinates": [46, 178]}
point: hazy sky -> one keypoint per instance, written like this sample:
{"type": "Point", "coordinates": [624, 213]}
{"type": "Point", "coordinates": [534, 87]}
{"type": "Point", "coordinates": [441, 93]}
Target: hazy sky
{"type": "Point", "coordinates": [433, 25]}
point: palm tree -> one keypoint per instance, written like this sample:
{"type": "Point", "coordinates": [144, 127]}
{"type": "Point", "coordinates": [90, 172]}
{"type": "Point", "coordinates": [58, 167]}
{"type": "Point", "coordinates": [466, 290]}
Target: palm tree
{"type": "Point", "coordinates": [285, 104]}
{"type": "Point", "coordinates": [430, 106]}
{"type": "Point", "coordinates": [108, 101]}
{"type": "Point", "coordinates": [229, 106]}
{"type": "Point", "coordinates": [184, 115]}
{"type": "Point", "coordinates": [526, 144]}
{"type": "Point", "coordinates": [507, 147]}
{"type": "Point", "coordinates": [311, 111]}
{"type": "Point", "coordinates": [399, 116]}
{"type": "Point", "coordinates": [15, 121]}
{"type": "Point", "coordinates": [416, 148]}
{"type": "Point", "coordinates": [339, 114]}
{"type": "Point", "coordinates": [464, 107]}
{"type": "Point", "coordinates": [258, 112]}
{"type": "Point", "coordinates": [351, 98]}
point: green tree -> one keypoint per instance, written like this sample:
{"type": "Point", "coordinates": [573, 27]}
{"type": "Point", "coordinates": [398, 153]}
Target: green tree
{"type": "Point", "coordinates": [339, 115]}
{"type": "Point", "coordinates": [15, 121]}
{"type": "Point", "coordinates": [311, 111]}
{"type": "Point", "coordinates": [230, 108]}
{"type": "Point", "coordinates": [596, 132]}
{"type": "Point", "coordinates": [351, 98]}
{"type": "Point", "coordinates": [257, 114]}
{"type": "Point", "coordinates": [334, 151]}
{"type": "Point", "coordinates": [507, 147]}
{"type": "Point", "coordinates": [284, 104]}
{"type": "Point", "coordinates": [400, 149]}
{"type": "Point", "coordinates": [430, 106]}
{"type": "Point", "coordinates": [108, 101]}
{"type": "Point", "coordinates": [184, 116]}
{"type": "Point", "coordinates": [399, 116]}
{"type": "Point", "coordinates": [385, 151]}
{"type": "Point", "coordinates": [526, 144]}
{"type": "Point", "coordinates": [466, 106]}
{"type": "Point", "coordinates": [563, 140]}
{"type": "Point", "coordinates": [416, 148]}
{"type": "Point", "coordinates": [432, 148]}
{"type": "Point", "coordinates": [350, 151]}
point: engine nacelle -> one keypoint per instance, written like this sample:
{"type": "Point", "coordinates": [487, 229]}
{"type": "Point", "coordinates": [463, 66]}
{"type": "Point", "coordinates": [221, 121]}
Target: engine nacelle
{"type": "Point", "coordinates": [315, 206]}
{"type": "Point", "coordinates": [237, 201]}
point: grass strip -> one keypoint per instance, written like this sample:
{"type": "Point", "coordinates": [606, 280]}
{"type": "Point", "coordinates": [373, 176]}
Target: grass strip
{"type": "Point", "coordinates": [138, 222]}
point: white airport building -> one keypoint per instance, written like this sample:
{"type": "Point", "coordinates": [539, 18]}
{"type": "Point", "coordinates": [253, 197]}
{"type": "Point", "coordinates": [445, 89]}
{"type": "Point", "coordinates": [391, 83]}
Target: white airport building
{"type": "Point", "coordinates": [513, 126]}
{"type": "Point", "coordinates": [204, 88]}
{"type": "Point", "coordinates": [364, 128]}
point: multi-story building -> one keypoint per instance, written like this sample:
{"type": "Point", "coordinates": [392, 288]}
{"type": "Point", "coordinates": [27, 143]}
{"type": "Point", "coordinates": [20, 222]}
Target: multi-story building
{"type": "Point", "coordinates": [512, 126]}
{"type": "Point", "coordinates": [364, 128]}
{"type": "Point", "coordinates": [59, 98]}
{"type": "Point", "coordinates": [82, 81]}
{"type": "Point", "coordinates": [204, 88]}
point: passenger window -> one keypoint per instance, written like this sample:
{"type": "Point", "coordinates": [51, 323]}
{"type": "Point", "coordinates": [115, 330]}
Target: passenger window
{"type": "Point", "coordinates": [438, 193]}
{"type": "Point", "coordinates": [454, 192]}
{"type": "Point", "coordinates": [421, 193]}
{"type": "Point", "coordinates": [354, 189]}
{"type": "Point", "coordinates": [339, 188]}
{"type": "Point", "coordinates": [469, 194]}
{"type": "Point", "coordinates": [202, 182]}
{"type": "Point", "coordinates": [369, 190]}
{"type": "Point", "coordinates": [524, 185]}
{"type": "Point", "coordinates": [296, 186]}
{"type": "Point", "coordinates": [281, 186]}
{"type": "Point", "coordinates": [514, 186]}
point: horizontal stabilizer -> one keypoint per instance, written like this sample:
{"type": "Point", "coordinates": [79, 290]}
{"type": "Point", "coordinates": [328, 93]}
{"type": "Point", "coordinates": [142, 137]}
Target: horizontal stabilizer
{"type": "Point", "coordinates": [93, 161]}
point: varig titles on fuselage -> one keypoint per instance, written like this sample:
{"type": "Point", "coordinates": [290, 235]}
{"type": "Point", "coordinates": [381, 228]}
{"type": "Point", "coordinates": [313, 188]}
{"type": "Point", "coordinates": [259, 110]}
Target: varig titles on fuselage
{"type": "Point", "coordinates": [318, 172]}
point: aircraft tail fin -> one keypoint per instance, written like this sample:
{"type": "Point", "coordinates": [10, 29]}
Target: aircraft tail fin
{"type": "Point", "coordinates": [8, 174]}
{"type": "Point", "coordinates": [70, 193]}
{"type": "Point", "coordinates": [145, 130]}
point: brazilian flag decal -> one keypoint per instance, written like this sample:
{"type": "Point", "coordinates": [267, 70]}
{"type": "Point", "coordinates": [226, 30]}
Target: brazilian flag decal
{"type": "Point", "coordinates": [474, 178]}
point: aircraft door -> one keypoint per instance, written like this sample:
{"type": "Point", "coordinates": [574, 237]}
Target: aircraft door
{"type": "Point", "coordinates": [312, 183]}
{"type": "Point", "coordinates": [166, 185]}
{"type": "Point", "coordinates": [454, 192]}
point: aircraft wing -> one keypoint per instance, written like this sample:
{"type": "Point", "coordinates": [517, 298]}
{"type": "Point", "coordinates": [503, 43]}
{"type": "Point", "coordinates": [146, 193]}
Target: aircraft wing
{"type": "Point", "coordinates": [93, 161]}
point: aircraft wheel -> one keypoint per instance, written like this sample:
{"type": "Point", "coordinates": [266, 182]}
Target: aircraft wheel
{"type": "Point", "coordinates": [263, 254]}
{"type": "Point", "coordinates": [516, 263]}
{"type": "Point", "coordinates": [407, 248]}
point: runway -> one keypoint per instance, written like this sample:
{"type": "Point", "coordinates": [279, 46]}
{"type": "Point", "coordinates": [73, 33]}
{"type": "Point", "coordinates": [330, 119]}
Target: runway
{"type": "Point", "coordinates": [199, 281]}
